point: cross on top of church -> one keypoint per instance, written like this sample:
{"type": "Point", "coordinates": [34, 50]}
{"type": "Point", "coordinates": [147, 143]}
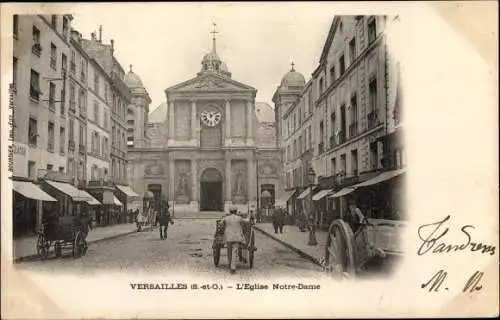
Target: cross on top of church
{"type": "Point", "coordinates": [214, 33]}
{"type": "Point", "coordinates": [131, 68]}
{"type": "Point", "coordinates": [292, 64]}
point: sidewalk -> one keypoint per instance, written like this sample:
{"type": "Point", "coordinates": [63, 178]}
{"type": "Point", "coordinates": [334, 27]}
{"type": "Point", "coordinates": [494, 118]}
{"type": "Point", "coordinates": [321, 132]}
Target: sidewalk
{"type": "Point", "coordinates": [297, 241]}
{"type": "Point", "coordinates": [25, 247]}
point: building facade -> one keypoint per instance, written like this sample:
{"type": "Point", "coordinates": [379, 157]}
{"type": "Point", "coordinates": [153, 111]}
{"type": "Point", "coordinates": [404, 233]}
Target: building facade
{"type": "Point", "coordinates": [216, 152]}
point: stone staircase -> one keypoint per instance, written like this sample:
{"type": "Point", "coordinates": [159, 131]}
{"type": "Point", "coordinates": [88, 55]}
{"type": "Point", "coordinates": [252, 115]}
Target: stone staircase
{"type": "Point", "coordinates": [198, 215]}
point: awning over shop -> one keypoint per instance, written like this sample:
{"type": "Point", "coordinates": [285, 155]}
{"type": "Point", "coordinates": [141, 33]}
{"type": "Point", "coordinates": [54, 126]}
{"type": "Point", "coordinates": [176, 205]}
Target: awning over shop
{"type": "Point", "coordinates": [68, 189]}
{"type": "Point", "coordinates": [30, 190]}
{"type": "Point", "coordinates": [285, 197]}
{"type": "Point", "coordinates": [320, 195]}
{"type": "Point", "coordinates": [342, 192]}
{"type": "Point", "coordinates": [116, 202]}
{"type": "Point", "coordinates": [384, 176]}
{"type": "Point", "coordinates": [128, 191]}
{"type": "Point", "coordinates": [304, 194]}
{"type": "Point", "coordinates": [93, 201]}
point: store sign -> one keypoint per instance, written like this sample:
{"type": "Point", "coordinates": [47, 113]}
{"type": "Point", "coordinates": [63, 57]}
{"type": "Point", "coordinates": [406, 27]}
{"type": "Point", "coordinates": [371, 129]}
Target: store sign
{"type": "Point", "coordinates": [19, 149]}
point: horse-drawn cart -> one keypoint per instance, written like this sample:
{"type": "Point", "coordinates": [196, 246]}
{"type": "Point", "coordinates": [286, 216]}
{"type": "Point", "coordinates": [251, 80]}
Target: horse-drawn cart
{"type": "Point", "coordinates": [65, 233]}
{"type": "Point", "coordinates": [248, 246]}
{"type": "Point", "coordinates": [347, 252]}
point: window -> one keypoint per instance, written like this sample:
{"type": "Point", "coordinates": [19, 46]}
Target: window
{"type": "Point", "coordinates": [342, 64]}
{"type": "Point", "coordinates": [321, 133]}
{"type": "Point", "coordinates": [96, 112]}
{"type": "Point", "coordinates": [31, 169]}
{"type": "Point", "coordinates": [64, 62]}
{"type": "Point", "coordinates": [52, 97]}
{"type": "Point", "coordinates": [373, 155]}
{"type": "Point", "coordinates": [104, 147]}
{"type": "Point", "coordinates": [342, 163]}
{"type": "Point", "coordinates": [353, 128]}
{"type": "Point", "coordinates": [72, 93]}
{"type": "Point", "coordinates": [96, 84]}
{"type": "Point", "coordinates": [51, 138]}
{"type": "Point", "coordinates": [83, 70]}
{"type": "Point", "coordinates": [106, 92]}
{"type": "Point", "coordinates": [372, 30]}
{"type": "Point", "coordinates": [14, 72]}
{"type": "Point", "coordinates": [36, 47]}
{"type": "Point", "coordinates": [332, 73]}
{"type": "Point", "coordinates": [333, 165]}
{"type": "Point", "coordinates": [71, 133]}
{"type": "Point", "coordinates": [321, 86]}
{"type": "Point", "coordinates": [32, 132]}
{"type": "Point", "coordinates": [61, 169]}
{"type": "Point", "coordinates": [54, 21]}
{"type": "Point", "coordinates": [50, 167]}
{"type": "Point", "coordinates": [354, 162]}
{"type": "Point", "coordinates": [62, 140]}
{"type": "Point", "coordinates": [82, 135]}
{"type": "Point", "coordinates": [352, 49]}
{"type": "Point", "coordinates": [105, 120]}
{"type": "Point", "coordinates": [372, 114]}
{"type": "Point", "coordinates": [53, 56]}
{"type": "Point", "coordinates": [15, 27]}
{"type": "Point", "coordinates": [73, 63]}
{"type": "Point", "coordinates": [35, 85]}
{"type": "Point", "coordinates": [310, 137]}
{"type": "Point", "coordinates": [82, 99]}
{"type": "Point", "coordinates": [343, 116]}
{"type": "Point", "coordinates": [309, 96]}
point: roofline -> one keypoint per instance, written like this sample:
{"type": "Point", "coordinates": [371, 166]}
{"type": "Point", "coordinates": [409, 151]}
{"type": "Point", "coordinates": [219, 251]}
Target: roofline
{"type": "Point", "coordinates": [250, 88]}
{"type": "Point", "coordinates": [327, 45]}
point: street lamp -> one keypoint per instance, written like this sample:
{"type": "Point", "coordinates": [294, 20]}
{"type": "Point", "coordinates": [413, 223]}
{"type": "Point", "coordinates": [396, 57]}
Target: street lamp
{"type": "Point", "coordinates": [311, 175]}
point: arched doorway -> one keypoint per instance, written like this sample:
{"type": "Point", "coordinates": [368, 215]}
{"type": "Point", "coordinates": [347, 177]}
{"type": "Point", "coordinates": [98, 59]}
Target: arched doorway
{"type": "Point", "coordinates": [211, 190]}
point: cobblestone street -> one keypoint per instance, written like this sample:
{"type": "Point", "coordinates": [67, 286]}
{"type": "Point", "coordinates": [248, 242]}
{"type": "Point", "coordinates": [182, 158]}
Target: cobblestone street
{"type": "Point", "coordinates": [188, 247]}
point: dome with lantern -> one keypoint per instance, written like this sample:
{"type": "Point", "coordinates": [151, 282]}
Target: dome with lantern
{"type": "Point", "coordinates": [211, 61]}
{"type": "Point", "coordinates": [293, 79]}
{"type": "Point", "coordinates": [132, 80]}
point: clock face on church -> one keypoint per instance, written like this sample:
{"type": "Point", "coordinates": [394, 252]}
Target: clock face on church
{"type": "Point", "coordinates": [211, 118]}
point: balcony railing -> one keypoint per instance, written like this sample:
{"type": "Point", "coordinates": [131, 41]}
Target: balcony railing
{"type": "Point", "coordinates": [71, 145]}
{"type": "Point", "coordinates": [333, 142]}
{"type": "Point", "coordinates": [372, 119]}
{"type": "Point", "coordinates": [102, 182]}
{"type": "Point", "coordinates": [52, 105]}
{"type": "Point", "coordinates": [36, 49]}
{"type": "Point", "coordinates": [81, 148]}
{"type": "Point", "coordinates": [321, 148]}
{"type": "Point", "coordinates": [353, 129]}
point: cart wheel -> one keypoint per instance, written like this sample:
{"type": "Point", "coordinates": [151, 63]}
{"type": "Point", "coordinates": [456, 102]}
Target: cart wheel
{"type": "Point", "coordinates": [58, 249]}
{"type": "Point", "coordinates": [41, 246]}
{"type": "Point", "coordinates": [339, 250]}
{"type": "Point", "coordinates": [78, 245]}
{"type": "Point", "coordinates": [216, 254]}
{"type": "Point", "coordinates": [251, 249]}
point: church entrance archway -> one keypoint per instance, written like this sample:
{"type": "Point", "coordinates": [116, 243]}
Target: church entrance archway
{"type": "Point", "coordinates": [211, 190]}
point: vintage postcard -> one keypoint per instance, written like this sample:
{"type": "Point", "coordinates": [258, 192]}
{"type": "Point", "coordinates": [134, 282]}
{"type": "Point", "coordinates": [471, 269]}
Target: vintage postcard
{"type": "Point", "coordinates": [249, 160]}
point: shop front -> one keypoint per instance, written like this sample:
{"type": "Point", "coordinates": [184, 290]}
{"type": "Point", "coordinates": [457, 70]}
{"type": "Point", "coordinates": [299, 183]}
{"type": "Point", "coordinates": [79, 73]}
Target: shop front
{"type": "Point", "coordinates": [126, 196]}
{"type": "Point", "coordinates": [27, 206]}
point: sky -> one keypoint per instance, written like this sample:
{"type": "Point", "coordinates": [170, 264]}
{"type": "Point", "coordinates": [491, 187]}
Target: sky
{"type": "Point", "coordinates": [165, 42]}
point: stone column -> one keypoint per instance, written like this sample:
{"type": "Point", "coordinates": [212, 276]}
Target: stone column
{"type": "Point", "coordinates": [251, 177]}
{"type": "Point", "coordinates": [171, 181]}
{"type": "Point", "coordinates": [194, 184]}
{"type": "Point", "coordinates": [171, 120]}
{"type": "Point", "coordinates": [249, 122]}
{"type": "Point", "coordinates": [193, 119]}
{"type": "Point", "coordinates": [228, 188]}
{"type": "Point", "coordinates": [228, 119]}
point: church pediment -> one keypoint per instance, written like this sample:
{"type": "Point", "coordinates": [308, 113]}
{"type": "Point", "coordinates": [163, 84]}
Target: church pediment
{"type": "Point", "coordinates": [210, 82]}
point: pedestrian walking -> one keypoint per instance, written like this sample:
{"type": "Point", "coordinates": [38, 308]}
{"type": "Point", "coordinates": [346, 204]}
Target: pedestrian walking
{"type": "Point", "coordinates": [233, 236]}
{"type": "Point", "coordinates": [164, 220]}
{"type": "Point", "coordinates": [278, 220]}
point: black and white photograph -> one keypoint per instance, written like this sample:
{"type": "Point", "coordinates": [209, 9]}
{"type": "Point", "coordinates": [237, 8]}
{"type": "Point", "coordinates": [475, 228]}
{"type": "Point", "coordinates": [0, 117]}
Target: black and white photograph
{"type": "Point", "coordinates": [269, 155]}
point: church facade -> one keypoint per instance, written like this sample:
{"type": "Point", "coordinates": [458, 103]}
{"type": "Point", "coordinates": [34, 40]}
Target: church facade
{"type": "Point", "coordinates": [215, 148]}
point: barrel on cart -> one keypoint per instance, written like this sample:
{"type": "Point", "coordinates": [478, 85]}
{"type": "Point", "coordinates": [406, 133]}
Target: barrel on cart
{"type": "Point", "coordinates": [248, 246]}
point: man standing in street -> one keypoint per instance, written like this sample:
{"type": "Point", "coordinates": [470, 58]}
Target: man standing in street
{"type": "Point", "coordinates": [233, 236]}
{"type": "Point", "coordinates": [164, 220]}
{"type": "Point", "coordinates": [278, 220]}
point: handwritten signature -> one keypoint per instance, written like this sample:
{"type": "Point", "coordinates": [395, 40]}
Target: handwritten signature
{"type": "Point", "coordinates": [430, 233]}
{"type": "Point", "coordinates": [437, 280]}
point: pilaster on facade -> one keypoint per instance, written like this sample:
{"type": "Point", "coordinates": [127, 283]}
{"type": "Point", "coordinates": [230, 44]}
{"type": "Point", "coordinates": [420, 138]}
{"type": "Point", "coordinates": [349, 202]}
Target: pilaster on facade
{"type": "Point", "coordinates": [171, 122]}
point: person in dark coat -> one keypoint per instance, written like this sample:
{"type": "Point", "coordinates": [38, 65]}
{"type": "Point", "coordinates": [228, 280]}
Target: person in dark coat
{"type": "Point", "coordinates": [278, 220]}
{"type": "Point", "coordinates": [165, 219]}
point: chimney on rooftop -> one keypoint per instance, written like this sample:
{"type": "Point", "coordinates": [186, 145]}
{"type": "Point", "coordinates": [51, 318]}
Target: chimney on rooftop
{"type": "Point", "coordinates": [112, 47]}
{"type": "Point", "coordinates": [92, 36]}
{"type": "Point", "coordinates": [100, 34]}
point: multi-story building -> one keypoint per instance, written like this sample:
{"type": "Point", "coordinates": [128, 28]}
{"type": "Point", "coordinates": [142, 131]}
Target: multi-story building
{"type": "Point", "coordinates": [137, 111]}
{"type": "Point", "coordinates": [112, 97]}
{"type": "Point", "coordinates": [41, 49]}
